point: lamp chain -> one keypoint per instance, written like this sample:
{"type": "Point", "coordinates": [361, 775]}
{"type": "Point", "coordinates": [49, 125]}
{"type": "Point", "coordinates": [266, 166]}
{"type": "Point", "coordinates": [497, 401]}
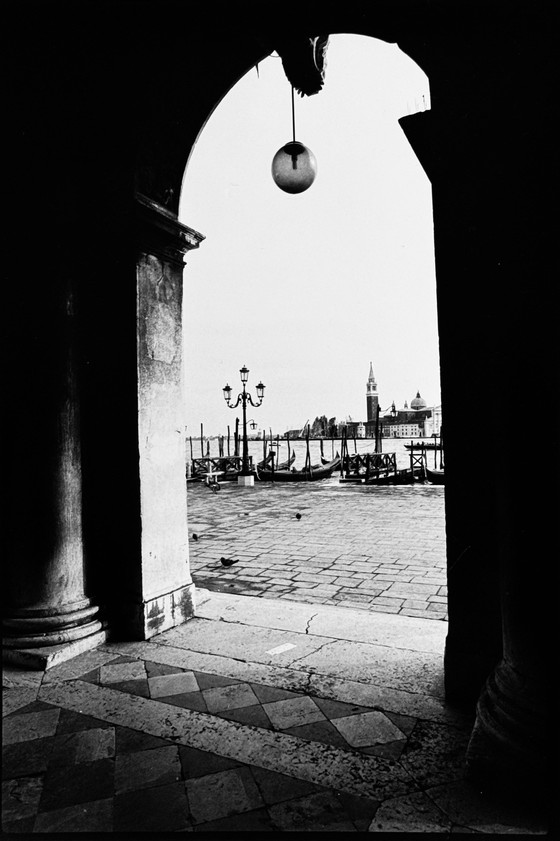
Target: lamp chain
{"type": "Point", "coordinates": [293, 116]}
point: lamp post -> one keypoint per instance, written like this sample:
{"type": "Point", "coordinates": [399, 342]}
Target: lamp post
{"type": "Point", "coordinates": [245, 478]}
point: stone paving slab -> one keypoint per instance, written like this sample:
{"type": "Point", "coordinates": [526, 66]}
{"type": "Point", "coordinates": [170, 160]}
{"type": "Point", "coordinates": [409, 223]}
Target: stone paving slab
{"type": "Point", "coordinates": [371, 548]}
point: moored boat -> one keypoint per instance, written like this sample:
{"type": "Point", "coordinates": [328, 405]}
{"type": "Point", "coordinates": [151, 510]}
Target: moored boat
{"type": "Point", "coordinates": [266, 463]}
{"type": "Point", "coordinates": [436, 477]}
{"type": "Point", "coordinates": [311, 474]}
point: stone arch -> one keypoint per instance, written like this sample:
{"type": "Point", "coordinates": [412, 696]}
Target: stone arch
{"type": "Point", "coordinates": [110, 115]}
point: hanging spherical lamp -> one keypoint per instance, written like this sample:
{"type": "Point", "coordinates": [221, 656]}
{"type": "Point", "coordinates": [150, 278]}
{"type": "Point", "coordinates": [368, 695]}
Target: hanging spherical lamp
{"type": "Point", "coordinates": [294, 166]}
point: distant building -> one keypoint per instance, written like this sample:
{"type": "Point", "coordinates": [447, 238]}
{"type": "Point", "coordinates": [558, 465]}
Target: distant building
{"type": "Point", "coordinates": [372, 399]}
{"type": "Point", "coordinates": [417, 421]}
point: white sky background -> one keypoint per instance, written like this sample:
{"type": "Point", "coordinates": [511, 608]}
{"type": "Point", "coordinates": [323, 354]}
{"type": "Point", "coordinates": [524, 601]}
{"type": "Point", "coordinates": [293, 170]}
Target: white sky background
{"type": "Point", "coordinates": [306, 289]}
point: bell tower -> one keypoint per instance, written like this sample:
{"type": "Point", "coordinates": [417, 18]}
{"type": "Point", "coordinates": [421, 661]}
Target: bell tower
{"type": "Point", "coordinates": [372, 400]}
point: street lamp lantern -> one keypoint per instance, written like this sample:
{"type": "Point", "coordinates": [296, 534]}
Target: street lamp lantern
{"type": "Point", "coordinates": [245, 477]}
{"type": "Point", "coordinates": [294, 166]}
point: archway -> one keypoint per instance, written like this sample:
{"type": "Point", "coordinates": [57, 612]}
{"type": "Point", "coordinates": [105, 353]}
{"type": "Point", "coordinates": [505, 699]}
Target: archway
{"type": "Point", "coordinates": [304, 287]}
{"type": "Point", "coordinates": [131, 127]}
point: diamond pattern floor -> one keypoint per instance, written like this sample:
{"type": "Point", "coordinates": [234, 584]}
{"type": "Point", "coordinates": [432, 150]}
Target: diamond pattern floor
{"type": "Point", "coordinates": [122, 739]}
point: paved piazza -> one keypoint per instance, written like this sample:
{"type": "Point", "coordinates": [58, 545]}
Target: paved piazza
{"type": "Point", "coordinates": [377, 549]}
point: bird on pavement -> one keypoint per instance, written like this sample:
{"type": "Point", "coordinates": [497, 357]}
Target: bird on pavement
{"type": "Point", "coordinates": [298, 516]}
{"type": "Point", "coordinates": [227, 562]}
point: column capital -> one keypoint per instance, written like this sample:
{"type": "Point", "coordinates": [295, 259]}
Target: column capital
{"type": "Point", "coordinates": [160, 231]}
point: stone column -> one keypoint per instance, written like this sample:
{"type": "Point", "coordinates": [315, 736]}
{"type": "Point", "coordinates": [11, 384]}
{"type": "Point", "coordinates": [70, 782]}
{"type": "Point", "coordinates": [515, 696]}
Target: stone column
{"type": "Point", "coordinates": [48, 616]}
{"type": "Point", "coordinates": [474, 639]}
{"type": "Point", "coordinates": [491, 227]}
{"type": "Point", "coordinates": [164, 594]}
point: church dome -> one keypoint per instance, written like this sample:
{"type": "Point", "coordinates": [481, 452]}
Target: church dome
{"type": "Point", "coordinates": [418, 402]}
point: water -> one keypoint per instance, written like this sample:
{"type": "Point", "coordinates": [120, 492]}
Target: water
{"type": "Point", "coordinates": [330, 449]}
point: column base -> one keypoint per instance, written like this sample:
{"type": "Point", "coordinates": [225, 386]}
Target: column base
{"type": "Point", "coordinates": [509, 749]}
{"type": "Point", "coordinates": [246, 481]}
{"type": "Point", "coordinates": [45, 657]}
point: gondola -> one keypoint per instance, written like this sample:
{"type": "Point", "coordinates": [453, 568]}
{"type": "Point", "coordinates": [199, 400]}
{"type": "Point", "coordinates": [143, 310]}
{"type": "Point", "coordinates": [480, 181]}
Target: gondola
{"type": "Point", "coordinates": [266, 463]}
{"type": "Point", "coordinates": [312, 474]}
{"type": "Point", "coordinates": [327, 461]}
{"type": "Point", "coordinates": [436, 477]}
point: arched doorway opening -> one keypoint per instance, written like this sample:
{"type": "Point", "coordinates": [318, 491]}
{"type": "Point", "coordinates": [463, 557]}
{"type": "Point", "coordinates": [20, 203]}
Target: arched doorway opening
{"type": "Point", "coordinates": [308, 286]}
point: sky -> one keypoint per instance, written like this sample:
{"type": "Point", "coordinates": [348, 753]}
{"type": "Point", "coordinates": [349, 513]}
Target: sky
{"type": "Point", "coordinates": [306, 290]}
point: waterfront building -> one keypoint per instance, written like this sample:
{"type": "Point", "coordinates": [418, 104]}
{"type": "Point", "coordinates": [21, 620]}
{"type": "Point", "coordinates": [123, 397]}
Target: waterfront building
{"type": "Point", "coordinates": [402, 430]}
{"type": "Point", "coordinates": [417, 421]}
{"type": "Point", "coordinates": [372, 399]}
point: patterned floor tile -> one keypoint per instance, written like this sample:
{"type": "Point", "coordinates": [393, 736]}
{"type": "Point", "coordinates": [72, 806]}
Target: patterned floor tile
{"type": "Point", "coordinates": [360, 809]}
{"type": "Point", "coordinates": [207, 681]}
{"type": "Point", "coordinates": [71, 722]}
{"type": "Point", "coordinates": [122, 671]}
{"type": "Point", "coordinates": [390, 750]}
{"type": "Point", "coordinates": [367, 729]}
{"type": "Point", "coordinates": [129, 741]}
{"type": "Point", "coordinates": [165, 685]}
{"type": "Point", "coordinates": [199, 763]}
{"type": "Point", "coordinates": [223, 794]}
{"type": "Point", "coordinates": [25, 727]}
{"type": "Point", "coordinates": [293, 712]}
{"type": "Point", "coordinates": [338, 709]}
{"type": "Point", "coordinates": [411, 814]}
{"type": "Point", "coordinates": [34, 707]}
{"type": "Point", "coordinates": [91, 676]}
{"type": "Point", "coordinates": [221, 698]}
{"type": "Point", "coordinates": [148, 768]}
{"type": "Point", "coordinates": [84, 746]}
{"type": "Point", "coordinates": [275, 788]}
{"type": "Point", "coordinates": [187, 700]}
{"type": "Point", "coordinates": [86, 782]}
{"type": "Point", "coordinates": [156, 669]}
{"type": "Point", "coordinates": [20, 798]}
{"type": "Point", "coordinates": [406, 723]}
{"type": "Point", "coordinates": [96, 816]}
{"type": "Point", "coordinates": [435, 754]}
{"type": "Point", "coordinates": [257, 820]}
{"type": "Point", "coordinates": [319, 731]}
{"type": "Point", "coordinates": [267, 694]}
{"type": "Point", "coordinates": [133, 687]}
{"type": "Point", "coordinates": [23, 759]}
{"type": "Point", "coordinates": [160, 809]}
{"type": "Point", "coordinates": [254, 715]}
{"type": "Point", "coordinates": [23, 827]}
{"type": "Point", "coordinates": [95, 744]}
{"type": "Point", "coordinates": [315, 812]}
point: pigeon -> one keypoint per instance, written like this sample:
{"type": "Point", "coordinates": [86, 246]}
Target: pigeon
{"type": "Point", "coordinates": [227, 562]}
{"type": "Point", "coordinates": [298, 516]}
{"type": "Point", "coordinates": [194, 536]}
